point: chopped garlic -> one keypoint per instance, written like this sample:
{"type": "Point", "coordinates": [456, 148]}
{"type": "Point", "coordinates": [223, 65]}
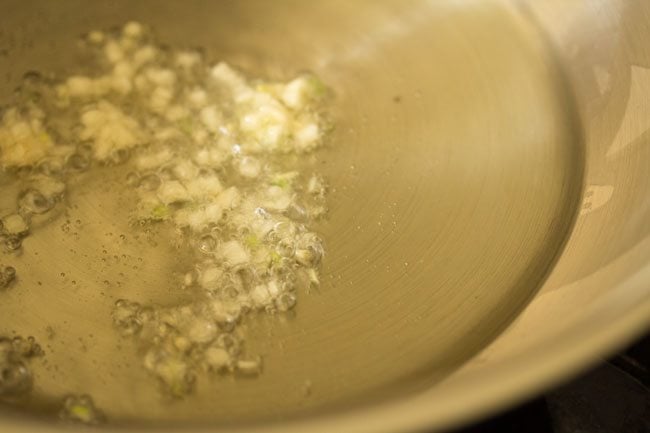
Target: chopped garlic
{"type": "Point", "coordinates": [211, 118]}
{"type": "Point", "coordinates": [207, 157]}
{"type": "Point", "coordinates": [84, 86]}
{"type": "Point", "coordinates": [185, 170]}
{"type": "Point", "coordinates": [48, 186]}
{"type": "Point", "coordinates": [202, 331]}
{"type": "Point", "coordinates": [197, 97]}
{"type": "Point", "coordinates": [276, 198]}
{"type": "Point", "coordinates": [233, 253]}
{"type": "Point", "coordinates": [261, 296]}
{"type": "Point", "coordinates": [113, 51]}
{"type": "Point", "coordinates": [153, 160]}
{"type": "Point", "coordinates": [23, 140]}
{"type": "Point", "coordinates": [249, 367]}
{"type": "Point", "coordinates": [96, 37]}
{"type": "Point", "coordinates": [307, 136]}
{"type": "Point", "coordinates": [265, 121]}
{"type": "Point", "coordinates": [188, 59]}
{"type": "Point", "coordinates": [144, 55]}
{"type": "Point", "coordinates": [109, 129]}
{"type": "Point", "coordinates": [160, 76]}
{"type": "Point", "coordinates": [300, 91]}
{"type": "Point", "coordinates": [14, 224]}
{"type": "Point", "coordinates": [133, 29]}
{"type": "Point", "coordinates": [172, 191]}
{"type": "Point", "coordinates": [199, 218]}
{"type": "Point", "coordinates": [217, 358]}
{"type": "Point", "coordinates": [204, 187]}
{"type": "Point", "coordinates": [203, 147]}
{"type": "Point", "coordinates": [250, 167]}
{"type": "Point", "coordinates": [210, 278]}
{"type": "Point", "coordinates": [223, 73]}
{"type": "Point", "coordinates": [176, 113]}
{"type": "Point", "coordinates": [229, 198]}
{"type": "Point", "coordinates": [160, 99]}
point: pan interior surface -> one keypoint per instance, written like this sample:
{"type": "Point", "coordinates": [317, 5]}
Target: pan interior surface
{"type": "Point", "coordinates": [455, 170]}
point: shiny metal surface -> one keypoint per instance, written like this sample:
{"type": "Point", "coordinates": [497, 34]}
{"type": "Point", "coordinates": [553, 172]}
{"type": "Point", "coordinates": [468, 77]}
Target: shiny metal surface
{"type": "Point", "coordinates": [490, 221]}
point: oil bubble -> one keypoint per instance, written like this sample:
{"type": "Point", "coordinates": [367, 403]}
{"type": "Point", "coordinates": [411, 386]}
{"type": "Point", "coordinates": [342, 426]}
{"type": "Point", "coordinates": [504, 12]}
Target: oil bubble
{"type": "Point", "coordinates": [286, 247]}
{"type": "Point", "coordinates": [150, 182]}
{"type": "Point", "coordinates": [78, 162]}
{"type": "Point", "coordinates": [13, 243]}
{"type": "Point", "coordinates": [207, 244]}
{"type": "Point", "coordinates": [7, 276]}
{"type": "Point", "coordinates": [119, 156]}
{"type": "Point", "coordinates": [132, 179]}
{"type": "Point", "coordinates": [285, 302]}
{"type": "Point", "coordinates": [32, 201]}
{"type": "Point", "coordinates": [15, 378]}
{"type": "Point", "coordinates": [50, 167]}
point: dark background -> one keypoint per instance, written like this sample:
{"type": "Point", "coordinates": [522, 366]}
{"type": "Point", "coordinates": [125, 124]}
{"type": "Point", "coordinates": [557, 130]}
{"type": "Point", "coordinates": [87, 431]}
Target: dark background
{"type": "Point", "coordinates": [611, 398]}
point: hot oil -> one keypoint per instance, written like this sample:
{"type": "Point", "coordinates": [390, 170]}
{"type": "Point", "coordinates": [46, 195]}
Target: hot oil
{"type": "Point", "coordinates": [455, 169]}
{"type": "Point", "coordinates": [180, 194]}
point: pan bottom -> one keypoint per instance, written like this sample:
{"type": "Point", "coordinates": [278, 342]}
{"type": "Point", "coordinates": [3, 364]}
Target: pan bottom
{"type": "Point", "coordinates": [455, 172]}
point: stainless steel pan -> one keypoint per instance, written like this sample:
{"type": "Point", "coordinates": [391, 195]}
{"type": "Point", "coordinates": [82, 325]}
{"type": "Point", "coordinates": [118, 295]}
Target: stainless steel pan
{"type": "Point", "coordinates": [490, 222]}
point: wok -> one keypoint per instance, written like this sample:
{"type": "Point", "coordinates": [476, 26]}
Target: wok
{"type": "Point", "coordinates": [489, 228]}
